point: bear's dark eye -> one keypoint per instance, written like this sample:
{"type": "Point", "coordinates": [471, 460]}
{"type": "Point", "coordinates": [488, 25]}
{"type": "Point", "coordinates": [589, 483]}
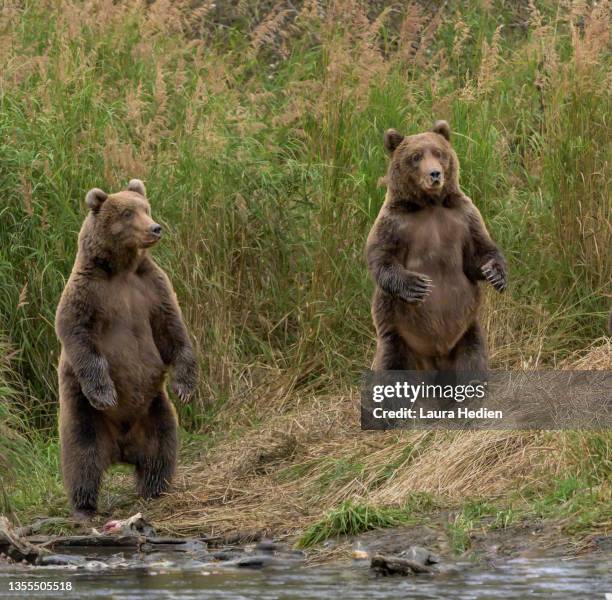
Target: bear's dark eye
{"type": "Point", "coordinates": [436, 153]}
{"type": "Point", "coordinates": [127, 214]}
{"type": "Point", "coordinates": [416, 157]}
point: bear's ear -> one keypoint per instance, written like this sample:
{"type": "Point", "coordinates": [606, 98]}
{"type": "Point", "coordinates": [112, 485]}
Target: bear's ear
{"type": "Point", "coordinates": [443, 129]}
{"type": "Point", "coordinates": [393, 138]}
{"type": "Point", "coordinates": [95, 198]}
{"type": "Point", "coordinates": [137, 186]}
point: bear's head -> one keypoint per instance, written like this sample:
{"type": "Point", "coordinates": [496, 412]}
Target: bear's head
{"type": "Point", "coordinates": [422, 167]}
{"type": "Point", "coordinates": [122, 221]}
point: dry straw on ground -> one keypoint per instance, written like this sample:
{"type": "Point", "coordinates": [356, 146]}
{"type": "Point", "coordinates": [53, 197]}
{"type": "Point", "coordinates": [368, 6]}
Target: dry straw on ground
{"type": "Point", "coordinates": [273, 477]}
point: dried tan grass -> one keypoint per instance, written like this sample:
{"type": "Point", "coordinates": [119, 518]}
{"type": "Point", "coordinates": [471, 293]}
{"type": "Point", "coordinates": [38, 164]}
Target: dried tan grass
{"type": "Point", "coordinates": [266, 32]}
{"type": "Point", "coordinates": [237, 487]}
{"type": "Point", "coordinates": [598, 357]}
{"type": "Point", "coordinates": [274, 477]}
{"type": "Point", "coordinates": [459, 465]}
{"type": "Point", "coordinates": [462, 33]}
{"type": "Point", "coordinates": [592, 37]}
{"type": "Point", "coordinates": [488, 65]}
{"type": "Point", "coordinates": [410, 31]}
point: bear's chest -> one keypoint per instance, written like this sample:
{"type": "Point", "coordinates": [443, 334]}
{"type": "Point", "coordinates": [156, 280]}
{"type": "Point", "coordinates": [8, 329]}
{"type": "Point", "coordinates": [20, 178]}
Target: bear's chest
{"type": "Point", "coordinates": [435, 234]}
{"type": "Point", "coordinates": [124, 335]}
{"type": "Point", "coordinates": [126, 304]}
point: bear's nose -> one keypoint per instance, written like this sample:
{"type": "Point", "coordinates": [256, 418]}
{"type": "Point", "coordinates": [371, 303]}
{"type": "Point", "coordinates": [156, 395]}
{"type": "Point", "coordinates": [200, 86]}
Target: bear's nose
{"type": "Point", "coordinates": [156, 229]}
{"type": "Point", "coordinates": [435, 174]}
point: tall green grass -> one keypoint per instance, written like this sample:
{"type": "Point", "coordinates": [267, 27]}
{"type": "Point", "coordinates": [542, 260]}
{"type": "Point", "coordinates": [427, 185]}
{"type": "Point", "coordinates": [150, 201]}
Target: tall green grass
{"type": "Point", "coordinates": [260, 144]}
{"type": "Point", "coordinates": [29, 469]}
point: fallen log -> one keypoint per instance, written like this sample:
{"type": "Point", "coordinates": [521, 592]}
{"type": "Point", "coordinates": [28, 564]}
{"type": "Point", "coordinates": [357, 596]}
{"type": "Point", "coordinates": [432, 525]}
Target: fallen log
{"type": "Point", "coordinates": [138, 542]}
{"type": "Point", "coordinates": [93, 541]}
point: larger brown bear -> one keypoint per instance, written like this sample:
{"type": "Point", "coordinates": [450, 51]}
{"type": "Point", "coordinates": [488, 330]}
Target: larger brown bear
{"type": "Point", "coordinates": [426, 253]}
{"type": "Point", "coordinates": [120, 328]}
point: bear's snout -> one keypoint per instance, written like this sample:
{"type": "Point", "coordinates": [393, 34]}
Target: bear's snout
{"type": "Point", "coordinates": [156, 230]}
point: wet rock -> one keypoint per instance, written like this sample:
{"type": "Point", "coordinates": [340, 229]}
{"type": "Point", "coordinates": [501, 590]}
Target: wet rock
{"type": "Point", "coordinates": [162, 564]}
{"type": "Point", "coordinates": [256, 561]}
{"type": "Point", "coordinates": [61, 560]}
{"type": "Point", "coordinates": [270, 547]}
{"type": "Point", "coordinates": [603, 542]}
{"type": "Point", "coordinates": [280, 551]}
{"type": "Point", "coordinates": [420, 555]}
{"type": "Point", "coordinates": [165, 544]}
{"type": "Point", "coordinates": [225, 555]}
{"type": "Point", "coordinates": [96, 565]}
{"type": "Point", "coordinates": [395, 565]}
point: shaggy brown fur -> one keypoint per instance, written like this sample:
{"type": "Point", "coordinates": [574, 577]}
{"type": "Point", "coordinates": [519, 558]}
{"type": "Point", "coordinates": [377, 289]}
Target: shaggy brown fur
{"type": "Point", "coordinates": [120, 328]}
{"type": "Point", "coordinates": [426, 252]}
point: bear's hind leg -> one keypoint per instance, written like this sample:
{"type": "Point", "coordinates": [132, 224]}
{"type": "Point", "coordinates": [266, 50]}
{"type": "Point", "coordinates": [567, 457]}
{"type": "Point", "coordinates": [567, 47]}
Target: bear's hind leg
{"type": "Point", "coordinates": [86, 452]}
{"type": "Point", "coordinates": [469, 356]}
{"type": "Point", "coordinates": [156, 462]}
{"type": "Point", "coordinates": [392, 353]}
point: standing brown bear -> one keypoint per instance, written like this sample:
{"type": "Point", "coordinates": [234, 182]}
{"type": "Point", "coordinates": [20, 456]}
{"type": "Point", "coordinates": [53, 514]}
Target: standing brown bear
{"type": "Point", "coordinates": [426, 252]}
{"type": "Point", "coordinates": [120, 328]}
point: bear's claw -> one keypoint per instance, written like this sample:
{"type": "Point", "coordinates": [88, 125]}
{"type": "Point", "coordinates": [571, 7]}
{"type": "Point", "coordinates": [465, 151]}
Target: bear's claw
{"type": "Point", "coordinates": [185, 376]}
{"type": "Point", "coordinates": [184, 383]}
{"type": "Point", "coordinates": [495, 274]}
{"type": "Point", "coordinates": [417, 289]}
{"type": "Point", "coordinates": [182, 391]}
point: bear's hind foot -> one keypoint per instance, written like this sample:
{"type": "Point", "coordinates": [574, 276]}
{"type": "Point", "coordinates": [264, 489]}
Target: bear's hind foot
{"type": "Point", "coordinates": [84, 502]}
{"type": "Point", "coordinates": [83, 514]}
{"type": "Point", "coordinates": [152, 484]}
{"type": "Point", "coordinates": [152, 491]}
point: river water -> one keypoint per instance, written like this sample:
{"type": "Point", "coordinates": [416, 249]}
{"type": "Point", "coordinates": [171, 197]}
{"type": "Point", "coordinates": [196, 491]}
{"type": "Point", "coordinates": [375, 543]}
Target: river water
{"type": "Point", "coordinates": [175, 577]}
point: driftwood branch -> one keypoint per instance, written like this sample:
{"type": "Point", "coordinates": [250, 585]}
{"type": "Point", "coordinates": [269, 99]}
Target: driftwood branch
{"type": "Point", "coordinates": [16, 547]}
{"type": "Point", "coordinates": [93, 541]}
{"type": "Point", "coordinates": [394, 565]}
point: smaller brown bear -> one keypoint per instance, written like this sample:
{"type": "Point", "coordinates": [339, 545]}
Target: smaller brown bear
{"type": "Point", "coordinates": [426, 252]}
{"type": "Point", "coordinates": [120, 328]}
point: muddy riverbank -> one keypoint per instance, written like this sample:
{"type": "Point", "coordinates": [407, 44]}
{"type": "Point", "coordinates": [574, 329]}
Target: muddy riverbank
{"type": "Point", "coordinates": [529, 539]}
{"type": "Point", "coordinates": [129, 560]}
{"type": "Point", "coordinates": [513, 564]}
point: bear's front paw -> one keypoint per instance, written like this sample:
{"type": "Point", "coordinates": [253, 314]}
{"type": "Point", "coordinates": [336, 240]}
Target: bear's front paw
{"type": "Point", "coordinates": [495, 273]}
{"type": "Point", "coordinates": [102, 396]}
{"type": "Point", "coordinates": [416, 288]}
{"type": "Point", "coordinates": [184, 382]}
